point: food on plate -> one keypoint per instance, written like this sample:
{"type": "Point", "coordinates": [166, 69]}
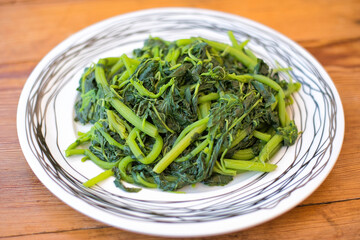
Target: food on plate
{"type": "Point", "coordinates": [182, 112]}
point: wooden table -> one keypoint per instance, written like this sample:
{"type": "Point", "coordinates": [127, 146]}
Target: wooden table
{"type": "Point", "coordinates": [330, 30]}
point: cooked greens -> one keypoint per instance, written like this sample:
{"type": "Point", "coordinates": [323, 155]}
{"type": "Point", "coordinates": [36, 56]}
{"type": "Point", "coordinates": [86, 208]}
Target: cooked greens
{"type": "Point", "coordinates": [182, 112]}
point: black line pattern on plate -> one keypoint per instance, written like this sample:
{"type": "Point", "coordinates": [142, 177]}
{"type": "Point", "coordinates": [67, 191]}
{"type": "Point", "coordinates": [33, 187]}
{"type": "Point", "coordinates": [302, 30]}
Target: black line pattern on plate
{"type": "Point", "coordinates": [314, 108]}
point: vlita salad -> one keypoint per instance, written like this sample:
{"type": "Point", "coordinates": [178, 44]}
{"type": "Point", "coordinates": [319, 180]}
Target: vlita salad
{"type": "Point", "coordinates": [183, 112]}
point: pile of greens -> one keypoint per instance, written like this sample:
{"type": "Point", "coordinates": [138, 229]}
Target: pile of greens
{"type": "Point", "coordinates": [182, 112]}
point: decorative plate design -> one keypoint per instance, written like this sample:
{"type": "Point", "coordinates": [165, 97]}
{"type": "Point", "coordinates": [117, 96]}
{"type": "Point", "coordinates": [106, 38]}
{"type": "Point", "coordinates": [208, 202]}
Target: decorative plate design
{"type": "Point", "coordinates": [46, 127]}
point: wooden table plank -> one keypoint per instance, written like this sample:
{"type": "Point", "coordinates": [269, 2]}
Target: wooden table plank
{"type": "Point", "coordinates": [340, 220]}
{"type": "Point", "coordinates": [41, 25]}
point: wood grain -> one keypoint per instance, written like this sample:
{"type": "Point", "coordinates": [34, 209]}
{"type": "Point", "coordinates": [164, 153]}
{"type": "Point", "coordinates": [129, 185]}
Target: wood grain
{"type": "Point", "coordinates": [330, 30]}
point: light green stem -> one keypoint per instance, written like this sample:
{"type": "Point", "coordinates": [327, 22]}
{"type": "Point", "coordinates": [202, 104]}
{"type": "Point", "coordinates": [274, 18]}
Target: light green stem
{"type": "Point", "coordinates": [179, 148]}
{"type": "Point", "coordinates": [262, 136]}
{"type": "Point", "coordinates": [244, 154]}
{"type": "Point", "coordinates": [92, 157]}
{"type": "Point", "coordinates": [189, 128]}
{"type": "Point", "coordinates": [265, 153]}
{"type": "Point", "coordinates": [123, 164]}
{"type": "Point", "coordinates": [155, 151]}
{"type": "Point", "coordinates": [195, 151]}
{"type": "Point", "coordinates": [249, 165]}
{"type": "Point", "coordinates": [239, 55]}
{"type": "Point", "coordinates": [101, 177]}
{"type": "Point", "coordinates": [209, 97]}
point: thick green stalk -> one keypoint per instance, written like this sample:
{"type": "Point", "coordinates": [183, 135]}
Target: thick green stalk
{"type": "Point", "coordinates": [240, 135]}
{"type": "Point", "coordinates": [116, 67]}
{"type": "Point", "coordinates": [195, 151]}
{"type": "Point", "coordinates": [130, 64]}
{"type": "Point", "coordinates": [240, 78]}
{"type": "Point", "coordinates": [243, 154]}
{"type": "Point", "coordinates": [223, 171]}
{"type": "Point", "coordinates": [204, 109]}
{"type": "Point", "coordinates": [179, 148]}
{"type": "Point", "coordinates": [101, 177]}
{"type": "Point", "coordinates": [123, 164]}
{"type": "Point", "coordinates": [249, 165]}
{"type": "Point", "coordinates": [262, 136]}
{"type": "Point", "coordinates": [132, 118]}
{"type": "Point", "coordinates": [184, 42]}
{"type": "Point", "coordinates": [189, 128]}
{"type": "Point", "coordinates": [269, 147]}
{"type": "Point", "coordinates": [208, 97]}
{"type": "Point", "coordinates": [154, 153]}
{"type": "Point", "coordinates": [116, 124]}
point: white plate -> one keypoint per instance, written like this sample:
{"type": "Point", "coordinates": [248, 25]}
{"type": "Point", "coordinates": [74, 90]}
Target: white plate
{"type": "Point", "coordinates": [45, 128]}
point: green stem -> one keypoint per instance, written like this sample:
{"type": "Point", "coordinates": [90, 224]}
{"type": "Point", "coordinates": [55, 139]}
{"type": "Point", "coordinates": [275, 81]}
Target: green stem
{"type": "Point", "coordinates": [189, 128]}
{"type": "Point", "coordinates": [155, 151]}
{"type": "Point", "coordinates": [98, 161]}
{"type": "Point", "coordinates": [101, 177]}
{"type": "Point", "coordinates": [262, 136]}
{"type": "Point", "coordinates": [244, 154]}
{"type": "Point", "coordinates": [116, 124]}
{"type": "Point", "coordinates": [204, 109]}
{"type": "Point", "coordinates": [240, 78]}
{"type": "Point", "coordinates": [179, 148]}
{"type": "Point", "coordinates": [132, 118]}
{"type": "Point", "coordinates": [92, 157]}
{"type": "Point", "coordinates": [223, 171]}
{"type": "Point", "coordinates": [208, 97]}
{"type": "Point", "coordinates": [233, 40]}
{"type": "Point", "coordinates": [130, 64]}
{"type": "Point", "coordinates": [145, 183]}
{"type": "Point", "coordinates": [240, 135]}
{"type": "Point", "coordinates": [183, 42]}
{"type": "Point", "coordinates": [115, 68]}
{"type": "Point", "coordinates": [269, 147]}
{"type": "Point", "coordinates": [77, 151]}
{"type": "Point", "coordinates": [144, 92]}
{"type": "Point", "coordinates": [249, 165]}
{"type": "Point", "coordinates": [123, 164]}
{"type": "Point", "coordinates": [82, 139]}
{"type": "Point", "coordinates": [239, 55]}
{"type": "Point", "coordinates": [250, 54]}
{"type": "Point", "coordinates": [244, 115]}
{"type": "Point", "coordinates": [194, 152]}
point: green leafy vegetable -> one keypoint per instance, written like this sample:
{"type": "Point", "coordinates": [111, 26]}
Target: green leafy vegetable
{"type": "Point", "coordinates": [183, 112]}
